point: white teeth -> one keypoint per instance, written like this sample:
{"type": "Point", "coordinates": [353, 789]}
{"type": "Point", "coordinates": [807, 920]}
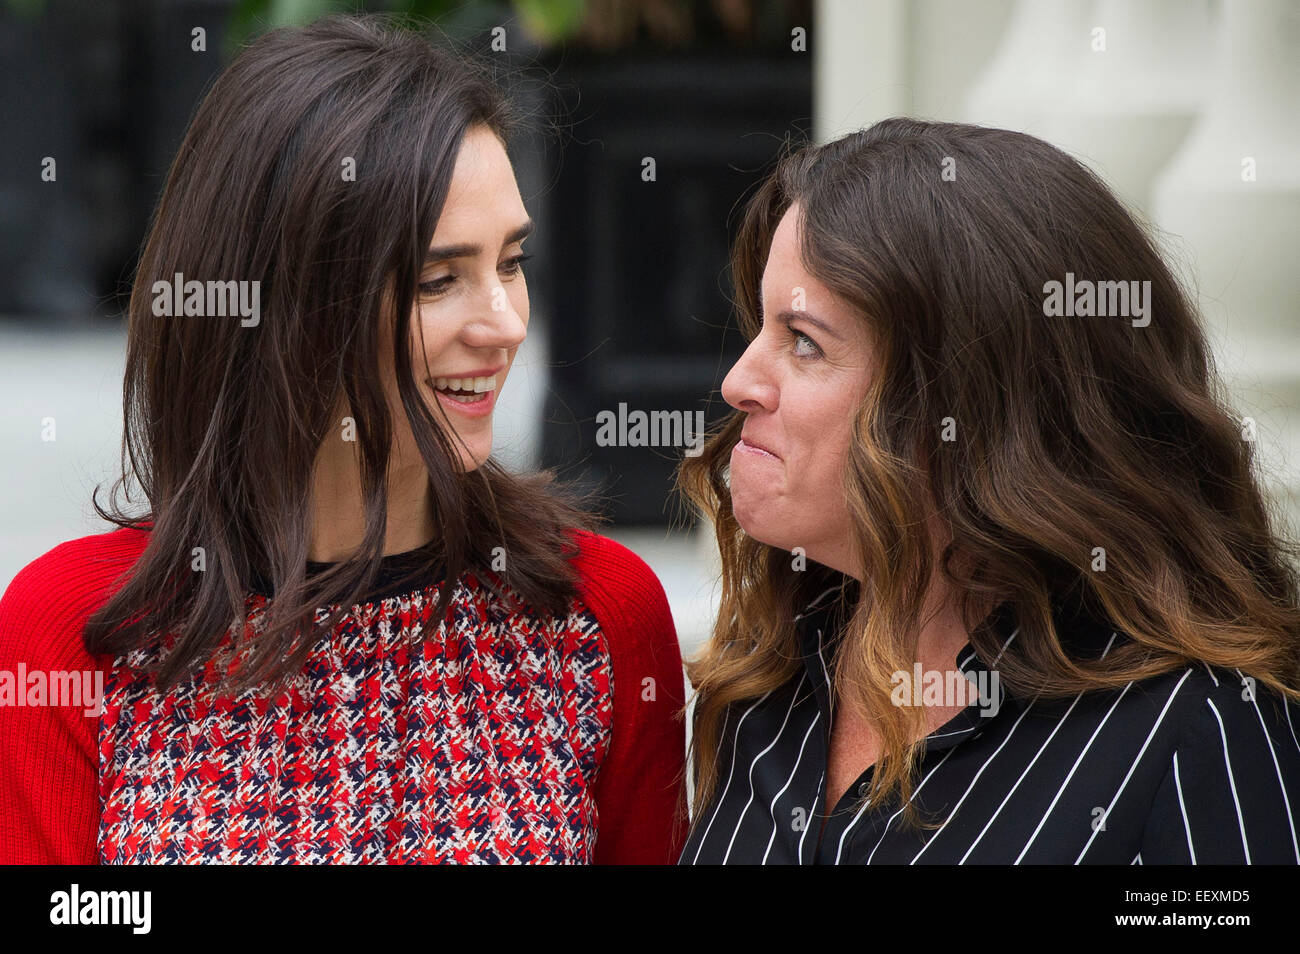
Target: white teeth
{"type": "Point", "coordinates": [476, 385]}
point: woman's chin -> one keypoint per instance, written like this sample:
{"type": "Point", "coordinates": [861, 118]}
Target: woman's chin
{"type": "Point", "coordinates": [755, 526]}
{"type": "Point", "coordinates": [475, 457]}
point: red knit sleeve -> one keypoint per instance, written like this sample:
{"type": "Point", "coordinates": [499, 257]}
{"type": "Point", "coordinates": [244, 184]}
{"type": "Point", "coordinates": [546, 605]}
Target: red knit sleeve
{"type": "Point", "coordinates": [49, 762]}
{"type": "Point", "coordinates": [640, 793]}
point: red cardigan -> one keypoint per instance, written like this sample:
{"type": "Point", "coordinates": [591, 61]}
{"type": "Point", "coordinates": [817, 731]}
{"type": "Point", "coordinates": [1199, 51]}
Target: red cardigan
{"type": "Point", "coordinates": [63, 774]}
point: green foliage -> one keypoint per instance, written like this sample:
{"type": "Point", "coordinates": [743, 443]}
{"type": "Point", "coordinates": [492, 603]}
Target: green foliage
{"type": "Point", "coordinates": [25, 9]}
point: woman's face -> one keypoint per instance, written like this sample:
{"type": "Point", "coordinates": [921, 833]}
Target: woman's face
{"type": "Point", "coordinates": [800, 381]}
{"type": "Point", "coordinates": [471, 309]}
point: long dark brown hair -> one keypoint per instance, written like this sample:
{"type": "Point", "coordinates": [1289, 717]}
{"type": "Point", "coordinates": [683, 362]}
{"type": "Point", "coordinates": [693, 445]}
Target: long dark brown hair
{"type": "Point", "coordinates": [1071, 433]}
{"type": "Point", "coordinates": [223, 422]}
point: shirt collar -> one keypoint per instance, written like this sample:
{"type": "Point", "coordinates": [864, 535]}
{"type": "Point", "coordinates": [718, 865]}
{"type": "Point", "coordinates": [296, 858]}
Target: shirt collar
{"type": "Point", "coordinates": [823, 617]}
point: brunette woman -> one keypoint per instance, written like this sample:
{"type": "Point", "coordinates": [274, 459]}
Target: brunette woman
{"type": "Point", "coordinates": [339, 632]}
{"type": "Point", "coordinates": [999, 584]}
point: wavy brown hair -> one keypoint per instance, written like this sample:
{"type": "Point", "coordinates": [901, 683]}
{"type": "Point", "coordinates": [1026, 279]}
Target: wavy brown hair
{"type": "Point", "coordinates": [1071, 434]}
{"type": "Point", "coordinates": [223, 422]}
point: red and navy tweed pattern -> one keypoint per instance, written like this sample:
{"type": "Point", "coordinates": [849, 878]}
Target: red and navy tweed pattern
{"type": "Point", "coordinates": [477, 742]}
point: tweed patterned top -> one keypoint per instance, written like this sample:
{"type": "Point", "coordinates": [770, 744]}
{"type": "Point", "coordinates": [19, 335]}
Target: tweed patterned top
{"type": "Point", "coordinates": [487, 738]}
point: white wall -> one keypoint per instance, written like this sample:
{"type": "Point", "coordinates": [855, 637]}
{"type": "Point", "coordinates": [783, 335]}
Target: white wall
{"type": "Point", "coordinates": [1180, 94]}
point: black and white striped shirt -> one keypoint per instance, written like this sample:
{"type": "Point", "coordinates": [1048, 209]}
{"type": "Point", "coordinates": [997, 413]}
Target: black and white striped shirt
{"type": "Point", "coordinates": [1198, 766]}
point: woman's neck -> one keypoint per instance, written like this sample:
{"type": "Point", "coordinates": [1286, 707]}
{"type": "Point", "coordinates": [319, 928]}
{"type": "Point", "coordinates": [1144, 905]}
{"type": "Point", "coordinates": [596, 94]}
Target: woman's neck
{"type": "Point", "coordinates": [338, 513]}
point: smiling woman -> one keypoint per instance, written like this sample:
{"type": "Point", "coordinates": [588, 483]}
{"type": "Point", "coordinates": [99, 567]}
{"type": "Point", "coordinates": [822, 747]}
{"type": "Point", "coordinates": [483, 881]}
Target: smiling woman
{"type": "Point", "coordinates": [340, 632]}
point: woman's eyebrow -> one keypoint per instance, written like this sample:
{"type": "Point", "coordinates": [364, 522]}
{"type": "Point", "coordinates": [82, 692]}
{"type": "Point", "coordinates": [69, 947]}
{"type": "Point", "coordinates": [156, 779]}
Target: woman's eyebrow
{"type": "Point", "coordinates": [785, 317]}
{"type": "Point", "coordinates": [441, 253]}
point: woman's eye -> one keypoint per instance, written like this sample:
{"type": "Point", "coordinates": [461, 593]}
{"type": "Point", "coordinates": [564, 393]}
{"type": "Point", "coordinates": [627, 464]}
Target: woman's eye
{"type": "Point", "coordinates": [804, 347]}
{"type": "Point", "coordinates": [436, 286]}
{"type": "Point", "coordinates": [512, 266]}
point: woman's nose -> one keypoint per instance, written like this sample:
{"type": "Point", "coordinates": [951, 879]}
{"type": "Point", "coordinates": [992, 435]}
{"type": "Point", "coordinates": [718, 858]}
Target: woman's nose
{"type": "Point", "coordinates": [499, 326]}
{"type": "Point", "coordinates": [749, 386]}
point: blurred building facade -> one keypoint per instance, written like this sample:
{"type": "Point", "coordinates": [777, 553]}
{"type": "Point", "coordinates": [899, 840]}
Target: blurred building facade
{"type": "Point", "coordinates": [1186, 107]}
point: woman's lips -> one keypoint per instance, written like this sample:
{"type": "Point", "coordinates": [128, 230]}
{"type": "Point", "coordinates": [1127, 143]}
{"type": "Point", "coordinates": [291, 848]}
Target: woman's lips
{"type": "Point", "coordinates": [478, 408]}
{"type": "Point", "coordinates": [746, 447]}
